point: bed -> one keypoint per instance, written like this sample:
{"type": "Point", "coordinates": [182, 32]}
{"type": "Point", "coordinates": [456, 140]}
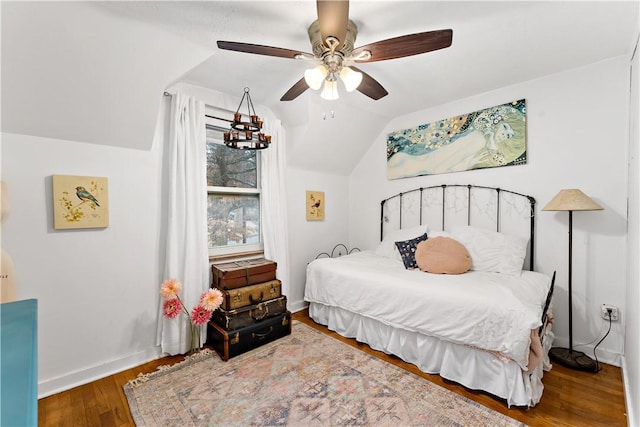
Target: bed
{"type": "Point", "coordinates": [488, 329]}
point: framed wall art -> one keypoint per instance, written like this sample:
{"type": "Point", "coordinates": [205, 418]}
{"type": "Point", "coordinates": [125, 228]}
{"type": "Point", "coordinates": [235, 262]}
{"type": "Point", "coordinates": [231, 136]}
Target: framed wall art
{"type": "Point", "coordinates": [488, 138]}
{"type": "Point", "coordinates": [80, 202]}
{"type": "Point", "coordinates": [315, 205]}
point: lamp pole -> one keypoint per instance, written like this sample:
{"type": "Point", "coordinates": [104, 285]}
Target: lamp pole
{"type": "Point", "coordinates": [570, 274]}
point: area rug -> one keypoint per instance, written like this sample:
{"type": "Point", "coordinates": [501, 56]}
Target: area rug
{"type": "Point", "coordinates": [304, 379]}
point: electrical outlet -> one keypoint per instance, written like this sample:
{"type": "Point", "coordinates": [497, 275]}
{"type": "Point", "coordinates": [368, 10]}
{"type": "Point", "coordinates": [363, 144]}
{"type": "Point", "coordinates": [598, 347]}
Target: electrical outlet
{"type": "Point", "coordinates": [605, 312]}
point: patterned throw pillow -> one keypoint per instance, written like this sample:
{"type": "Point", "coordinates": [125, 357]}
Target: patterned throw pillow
{"type": "Point", "coordinates": [407, 251]}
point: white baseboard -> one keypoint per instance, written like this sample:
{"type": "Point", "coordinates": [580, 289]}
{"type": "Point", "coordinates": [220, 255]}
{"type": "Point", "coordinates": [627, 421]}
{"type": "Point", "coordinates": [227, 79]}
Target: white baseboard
{"type": "Point", "coordinates": [632, 409]}
{"type": "Point", "coordinates": [298, 306]}
{"type": "Point", "coordinates": [604, 355]}
{"type": "Point", "coordinates": [84, 376]}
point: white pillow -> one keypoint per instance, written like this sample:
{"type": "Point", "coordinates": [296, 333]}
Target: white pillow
{"type": "Point", "coordinates": [438, 233]}
{"type": "Point", "coordinates": [491, 250]}
{"type": "Point", "coordinates": [387, 248]}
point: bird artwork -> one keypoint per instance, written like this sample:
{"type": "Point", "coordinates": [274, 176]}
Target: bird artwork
{"type": "Point", "coordinates": [315, 206]}
{"type": "Point", "coordinates": [89, 208]}
{"type": "Point", "coordinates": [85, 196]}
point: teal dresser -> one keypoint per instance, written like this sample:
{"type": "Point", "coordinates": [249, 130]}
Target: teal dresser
{"type": "Point", "coordinates": [19, 363]}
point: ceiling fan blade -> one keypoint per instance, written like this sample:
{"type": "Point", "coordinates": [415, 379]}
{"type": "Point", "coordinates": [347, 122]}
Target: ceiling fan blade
{"type": "Point", "coordinates": [333, 18]}
{"type": "Point", "coordinates": [411, 44]}
{"type": "Point", "coordinates": [296, 90]}
{"type": "Point", "coordinates": [370, 86]}
{"type": "Point", "coordinates": [262, 50]}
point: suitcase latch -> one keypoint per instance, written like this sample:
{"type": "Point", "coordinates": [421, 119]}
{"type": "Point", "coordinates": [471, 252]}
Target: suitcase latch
{"type": "Point", "coordinates": [235, 339]}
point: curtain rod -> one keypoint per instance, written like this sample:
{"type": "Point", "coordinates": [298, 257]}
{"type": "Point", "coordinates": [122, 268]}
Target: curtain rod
{"type": "Point", "coordinates": [218, 118]}
{"type": "Point", "coordinates": [207, 105]}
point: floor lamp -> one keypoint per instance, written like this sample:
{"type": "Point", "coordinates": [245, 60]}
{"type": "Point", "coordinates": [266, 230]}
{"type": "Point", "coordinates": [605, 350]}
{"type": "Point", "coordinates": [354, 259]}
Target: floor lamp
{"type": "Point", "coordinates": [572, 200]}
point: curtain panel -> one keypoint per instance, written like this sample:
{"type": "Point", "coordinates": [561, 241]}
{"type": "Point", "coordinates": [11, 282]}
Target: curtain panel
{"type": "Point", "coordinates": [273, 202]}
{"type": "Point", "coordinates": [187, 258]}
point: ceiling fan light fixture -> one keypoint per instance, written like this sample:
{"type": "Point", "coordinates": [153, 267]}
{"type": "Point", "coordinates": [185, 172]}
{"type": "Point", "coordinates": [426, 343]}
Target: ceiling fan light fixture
{"type": "Point", "coordinates": [330, 90]}
{"type": "Point", "coordinates": [350, 78]}
{"type": "Point", "coordinates": [315, 76]}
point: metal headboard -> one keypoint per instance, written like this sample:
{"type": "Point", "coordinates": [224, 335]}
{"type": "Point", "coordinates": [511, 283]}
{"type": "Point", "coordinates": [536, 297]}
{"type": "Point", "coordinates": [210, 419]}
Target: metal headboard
{"type": "Point", "coordinates": [453, 197]}
{"type": "Point", "coordinates": [338, 251]}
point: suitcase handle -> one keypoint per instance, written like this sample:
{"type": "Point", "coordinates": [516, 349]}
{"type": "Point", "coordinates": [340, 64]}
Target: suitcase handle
{"type": "Point", "coordinates": [262, 335]}
{"type": "Point", "coordinates": [254, 301]}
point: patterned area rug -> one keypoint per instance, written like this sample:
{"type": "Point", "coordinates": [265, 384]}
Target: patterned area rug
{"type": "Point", "coordinates": [304, 379]}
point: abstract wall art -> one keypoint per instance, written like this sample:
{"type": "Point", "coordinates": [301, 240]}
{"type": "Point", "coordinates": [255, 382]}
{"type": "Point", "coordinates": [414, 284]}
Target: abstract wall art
{"type": "Point", "coordinates": [489, 138]}
{"type": "Point", "coordinates": [80, 202]}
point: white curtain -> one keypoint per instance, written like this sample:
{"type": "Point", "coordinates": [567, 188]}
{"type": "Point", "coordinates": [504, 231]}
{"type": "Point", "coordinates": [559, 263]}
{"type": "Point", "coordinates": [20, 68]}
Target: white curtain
{"type": "Point", "coordinates": [187, 258]}
{"type": "Point", "coordinates": [273, 201]}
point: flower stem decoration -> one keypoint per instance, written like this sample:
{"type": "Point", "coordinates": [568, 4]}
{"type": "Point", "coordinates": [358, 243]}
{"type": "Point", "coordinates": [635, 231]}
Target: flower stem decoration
{"type": "Point", "coordinates": [172, 306]}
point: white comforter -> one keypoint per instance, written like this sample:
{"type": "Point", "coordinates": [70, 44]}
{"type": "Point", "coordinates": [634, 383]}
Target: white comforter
{"type": "Point", "coordinates": [491, 311]}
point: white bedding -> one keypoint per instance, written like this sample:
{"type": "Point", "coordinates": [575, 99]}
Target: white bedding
{"type": "Point", "coordinates": [491, 311]}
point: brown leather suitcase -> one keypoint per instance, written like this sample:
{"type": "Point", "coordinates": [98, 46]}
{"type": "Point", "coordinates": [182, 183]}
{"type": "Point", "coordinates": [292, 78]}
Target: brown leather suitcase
{"type": "Point", "coordinates": [251, 295]}
{"type": "Point", "coordinates": [234, 274]}
{"type": "Point", "coordinates": [245, 316]}
{"type": "Point", "coordinates": [237, 341]}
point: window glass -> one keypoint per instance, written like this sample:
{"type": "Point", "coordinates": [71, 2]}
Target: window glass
{"type": "Point", "coordinates": [233, 219]}
{"type": "Point", "coordinates": [233, 199]}
{"type": "Point", "coordinates": [229, 167]}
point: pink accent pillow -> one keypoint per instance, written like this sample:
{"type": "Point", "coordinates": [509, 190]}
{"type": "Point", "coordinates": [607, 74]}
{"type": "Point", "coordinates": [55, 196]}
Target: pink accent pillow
{"type": "Point", "coordinates": [442, 255]}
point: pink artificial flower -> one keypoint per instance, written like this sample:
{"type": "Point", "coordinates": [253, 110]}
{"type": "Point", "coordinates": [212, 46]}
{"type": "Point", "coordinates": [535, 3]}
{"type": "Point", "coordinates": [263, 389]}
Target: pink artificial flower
{"type": "Point", "coordinates": [200, 315]}
{"type": "Point", "coordinates": [170, 288]}
{"type": "Point", "coordinates": [171, 308]}
{"type": "Point", "coordinates": [211, 299]}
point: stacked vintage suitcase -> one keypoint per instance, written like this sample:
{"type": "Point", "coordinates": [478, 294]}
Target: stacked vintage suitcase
{"type": "Point", "coordinates": [254, 311]}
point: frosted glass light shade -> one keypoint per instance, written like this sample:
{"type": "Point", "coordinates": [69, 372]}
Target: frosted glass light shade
{"type": "Point", "coordinates": [350, 78]}
{"type": "Point", "coordinates": [315, 76]}
{"type": "Point", "coordinates": [330, 90]}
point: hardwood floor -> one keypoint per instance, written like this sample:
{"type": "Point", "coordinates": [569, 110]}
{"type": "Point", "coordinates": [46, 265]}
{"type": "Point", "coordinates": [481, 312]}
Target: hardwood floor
{"type": "Point", "coordinates": [570, 398]}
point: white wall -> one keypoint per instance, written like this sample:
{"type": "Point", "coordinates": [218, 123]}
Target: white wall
{"type": "Point", "coordinates": [309, 238]}
{"type": "Point", "coordinates": [87, 74]}
{"type": "Point", "coordinates": [577, 125]}
{"type": "Point", "coordinates": [97, 289]}
{"type": "Point", "coordinates": [631, 360]}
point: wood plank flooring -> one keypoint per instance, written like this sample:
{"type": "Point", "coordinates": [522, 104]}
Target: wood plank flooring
{"type": "Point", "coordinates": [571, 398]}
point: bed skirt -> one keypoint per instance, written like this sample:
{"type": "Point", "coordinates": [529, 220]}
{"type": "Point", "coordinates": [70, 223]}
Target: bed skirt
{"type": "Point", "coordinates": [473, 368]}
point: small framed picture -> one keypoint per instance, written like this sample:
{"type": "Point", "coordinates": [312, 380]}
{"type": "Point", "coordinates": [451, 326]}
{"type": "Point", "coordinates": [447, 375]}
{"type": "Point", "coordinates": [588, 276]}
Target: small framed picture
{"type": "Point", "coordinates": [80, 202]}
{"type": "Point", "coordinates": [315, 205]}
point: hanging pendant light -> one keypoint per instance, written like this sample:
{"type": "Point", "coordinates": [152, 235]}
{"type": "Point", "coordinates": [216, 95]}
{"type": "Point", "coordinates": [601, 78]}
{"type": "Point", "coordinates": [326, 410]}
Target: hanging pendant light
{"type": "Point", "coordinates": [246, 134]}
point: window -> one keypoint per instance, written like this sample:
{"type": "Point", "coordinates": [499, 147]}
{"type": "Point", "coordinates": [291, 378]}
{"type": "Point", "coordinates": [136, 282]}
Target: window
{"type": "Point", "coordinates": [233, 187]}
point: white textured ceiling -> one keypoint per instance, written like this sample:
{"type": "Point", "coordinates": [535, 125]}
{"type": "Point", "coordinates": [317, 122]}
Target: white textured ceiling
{"type": "Point", "coordinates": [495, 44]}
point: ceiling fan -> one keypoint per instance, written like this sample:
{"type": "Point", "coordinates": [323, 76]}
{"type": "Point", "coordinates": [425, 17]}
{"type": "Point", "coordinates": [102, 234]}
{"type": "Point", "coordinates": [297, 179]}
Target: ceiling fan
{"type": "Point", "coordinates": [332, 38]}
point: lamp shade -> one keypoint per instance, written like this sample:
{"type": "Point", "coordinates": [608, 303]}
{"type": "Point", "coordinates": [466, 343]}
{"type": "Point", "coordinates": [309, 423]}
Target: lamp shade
{"type": "Point", "coordinates": [315, 76]}
{"type": "Point", "coordinates": [330, 90]}
{"type": "Point", "coordinates": [572, 200]}
{"type": "Point", "coordinates": [350, 78]}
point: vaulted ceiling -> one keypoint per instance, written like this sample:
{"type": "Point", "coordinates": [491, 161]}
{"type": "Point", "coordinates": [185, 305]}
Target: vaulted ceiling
{"type": "Point", "coordinates": [95, 71]}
